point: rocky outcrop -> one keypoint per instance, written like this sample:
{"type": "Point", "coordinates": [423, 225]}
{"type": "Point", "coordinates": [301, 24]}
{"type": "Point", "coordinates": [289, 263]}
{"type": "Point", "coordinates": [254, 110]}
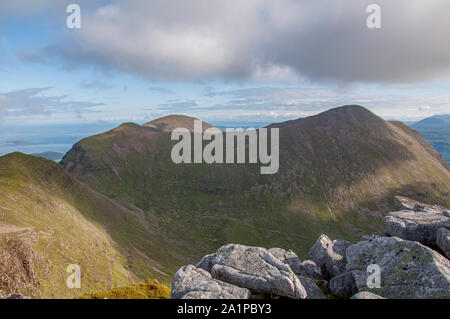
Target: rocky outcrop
{"type": "Point", "coordinates": [407, 269]}
{"type": "Point", "coordinates": [256, 269]}
{"type": "Point", "coordinates": [443, 240]}
{"type": "Point", "coordinates": [377, 267]}
{"type": "Point", "coordinates": [193, 283]}
{"type": "Point", "coordinates": [329, 255]}
{"type": "Point", "coordinates": [419, 226]}
{"type": "Point", "coordinates": [417, 221]}
{"type": "Point", "coordinates": [366, 295]}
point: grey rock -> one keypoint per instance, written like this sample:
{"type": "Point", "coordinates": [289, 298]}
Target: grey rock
{"type": "Point", "coordinates": [193, 283]}
{"type": "Point", "coordinates": [256, 269]}
{"type": "Point", "coordinates": [312, 290]}
{"type": "Point", "coordinates": [308, 268]}
{"type": "Point", "coordinates": [446, 213]}
{"type": "Point", "coordinates": [329, 255]}
{"type": "Point", "coordinates": [366, 295]}
{"type": "Point", "coordinates": [416, 226]}
{"type": "Point", "coordinates": [343, 285]}
{"type": "Point", "coordinates": [207, 262]}
{"type": "Point", "coordinates": [408, 204]}
{"type": "Point", "coordinates": [287, 257]}
{"type": "Point", "coordinates": [443, 240]}
{"type": "Point", "coordinates": [409, 270]}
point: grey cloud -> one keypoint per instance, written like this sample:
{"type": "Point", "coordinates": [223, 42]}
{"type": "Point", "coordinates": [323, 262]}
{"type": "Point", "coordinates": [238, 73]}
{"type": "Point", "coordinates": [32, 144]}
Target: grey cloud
{"type": "Point", "coordinates": [321, 40]}
{"type": "Point", "coordinates": [32, 101]}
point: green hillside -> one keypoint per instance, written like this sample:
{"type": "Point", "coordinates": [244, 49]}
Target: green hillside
{"type": "Point", "coordinates": [49, 220]}
{"type": "Point", "coordinates": [338, 174]}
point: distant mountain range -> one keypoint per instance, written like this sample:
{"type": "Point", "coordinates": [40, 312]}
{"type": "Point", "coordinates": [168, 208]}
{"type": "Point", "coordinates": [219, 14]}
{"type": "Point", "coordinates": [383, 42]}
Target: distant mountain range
{"type": "Point", "coordinates": [118, 197]}
{"type": "Point", "coordinates": [436, 131]}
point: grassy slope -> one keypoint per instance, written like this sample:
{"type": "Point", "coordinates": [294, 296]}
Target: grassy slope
{"type": "Point", "coordinates": [50, 220]}
{"type": "Point", "coordinates": [338, 174]}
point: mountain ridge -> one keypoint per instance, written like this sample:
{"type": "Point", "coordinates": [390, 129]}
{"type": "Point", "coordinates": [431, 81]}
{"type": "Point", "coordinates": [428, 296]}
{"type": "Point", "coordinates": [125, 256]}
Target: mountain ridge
{"type": "Point", "coordinates": [339, 170]}
{"type": "Point", "coordinates": [339, 173]}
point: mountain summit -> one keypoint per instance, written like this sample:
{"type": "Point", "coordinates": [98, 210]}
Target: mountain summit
{"type": "Point", "coordinates": [172, 122]}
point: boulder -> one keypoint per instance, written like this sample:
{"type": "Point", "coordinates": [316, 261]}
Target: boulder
{"type": "Point", "coordinates": [194, 283]}
{"type": "Point", "coordinates": [366, 295]}
{"type": "Point", "coordinates": [207, 262]}
{"type": "Point", "coordinates": [312, 289]}
{"type": "Point", "coordinates": [256, 269]}
{"type": "Point", "coordinates": [308, 268]}
{"type": "Point", "coordinates": [329, 255]}
{"type": "Point", "coordinates": [343, 285]}
{"type": "Point", "coordinates": [409, 270]}
{"type": "Point", "coordinates": [287, 257]}
{"type": "Point", "coordinates": [417, 226]}
{"type": "Point", "coordinates": [443, 240]}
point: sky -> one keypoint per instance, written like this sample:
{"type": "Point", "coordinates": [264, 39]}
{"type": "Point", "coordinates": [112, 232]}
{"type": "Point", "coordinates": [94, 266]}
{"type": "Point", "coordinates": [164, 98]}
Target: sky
{"type": "Point", "coordinates": [222, 61]}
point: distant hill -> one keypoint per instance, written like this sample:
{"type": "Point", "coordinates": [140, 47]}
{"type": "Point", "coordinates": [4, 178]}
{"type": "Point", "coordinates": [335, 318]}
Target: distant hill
{"type": "Point", "coordinates": [49, 220]}
{"type": "Point", "coordinates": [436, 130]}
{"type": "Point", "coordinates": [338, 174]}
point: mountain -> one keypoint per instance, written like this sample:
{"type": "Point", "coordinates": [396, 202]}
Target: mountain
{"type": "Point", "coordinates": [49, 220]}
{"type": "Point", "coordinates": [436, 131]}
{"type": "Point", "coordinates": [339, 172]}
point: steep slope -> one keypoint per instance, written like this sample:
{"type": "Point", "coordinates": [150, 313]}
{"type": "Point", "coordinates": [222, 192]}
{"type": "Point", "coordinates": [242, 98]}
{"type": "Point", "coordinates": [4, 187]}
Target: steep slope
{"type": "Point", "coordinates": [49, 220]}
{"type": "Point", "coordinates": [338, 174]}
